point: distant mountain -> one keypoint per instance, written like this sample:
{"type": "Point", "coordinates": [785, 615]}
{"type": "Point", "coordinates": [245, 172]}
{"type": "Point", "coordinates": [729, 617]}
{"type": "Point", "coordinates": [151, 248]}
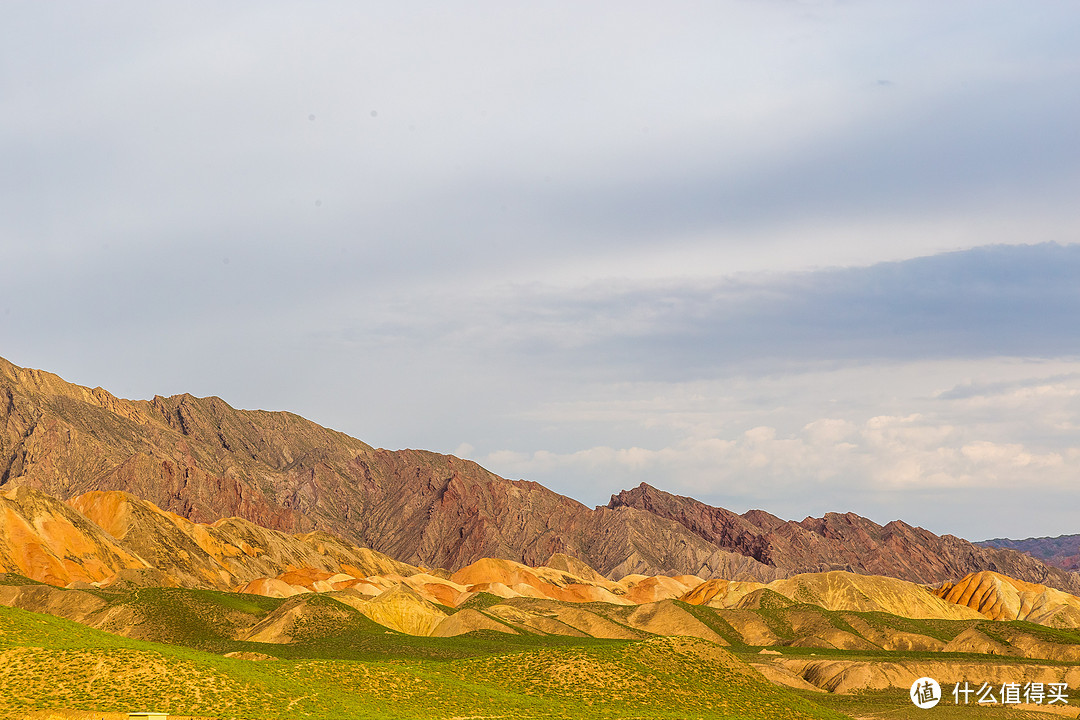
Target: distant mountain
{"type": "Point", "coordinates": [204, 460]}
{"type": "Point", "coordinates": [1062, 551]}
{"type": "Point", "coordinates": [841, 542]}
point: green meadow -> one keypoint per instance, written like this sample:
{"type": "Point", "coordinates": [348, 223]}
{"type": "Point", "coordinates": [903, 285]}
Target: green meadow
{"type": "Point", "coordinates": [50, 663]}
{"type": "Point", "coordinates": [340, 664]}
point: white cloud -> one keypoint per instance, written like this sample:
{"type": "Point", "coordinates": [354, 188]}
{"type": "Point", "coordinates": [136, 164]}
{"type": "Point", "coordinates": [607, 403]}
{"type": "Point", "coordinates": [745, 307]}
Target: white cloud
{"type": "Point", "coordinates": [922, 465]}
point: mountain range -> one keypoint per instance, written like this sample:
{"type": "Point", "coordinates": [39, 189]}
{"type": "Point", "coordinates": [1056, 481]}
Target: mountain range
{"type": "Point", "coordinates": [1062, 551]}
{"type": "Point", "coordinates": [115, 562]}
{"type": "Point", "coordinates": [202, 460]}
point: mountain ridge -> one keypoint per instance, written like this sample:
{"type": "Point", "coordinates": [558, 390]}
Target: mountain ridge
{"type": "Point", "coordinates": [842, 542]}
{"type": "Point", "coordinates": [1062, 551]}
{"type": "Point", "coordinates": [201, 459]}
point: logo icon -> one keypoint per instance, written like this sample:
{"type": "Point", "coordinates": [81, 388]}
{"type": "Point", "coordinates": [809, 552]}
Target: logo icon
{"type": "Point", "coordinates": [925, 693]}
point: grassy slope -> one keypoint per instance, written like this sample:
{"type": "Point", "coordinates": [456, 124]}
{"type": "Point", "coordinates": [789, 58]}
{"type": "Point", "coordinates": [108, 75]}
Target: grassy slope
{"type": "Point", "coordinates": [343, 665]}
{"type": "Point", "coordinates": [49, 662]}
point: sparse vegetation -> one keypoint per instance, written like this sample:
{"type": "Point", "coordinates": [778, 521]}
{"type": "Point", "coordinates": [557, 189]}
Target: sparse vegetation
{"type": "Point", "coordinates": [342, 665]}
{"type": "Point", "coordinates": [47, 662]}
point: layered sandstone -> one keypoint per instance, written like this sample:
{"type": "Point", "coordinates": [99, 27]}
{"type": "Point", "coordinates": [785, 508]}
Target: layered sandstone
{"type": "Point", "coordinates": [1000, 597]}
{"type": "Point", "coordinates": [42, 538]}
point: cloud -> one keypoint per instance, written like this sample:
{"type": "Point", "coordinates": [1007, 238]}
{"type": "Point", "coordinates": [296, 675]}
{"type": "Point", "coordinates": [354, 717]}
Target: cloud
{"type": "Point", "coordinates": [741, 443]}
{"type": "Point", "coordinates": [663, 243]}
{"type": "Point", "coordinates": [987, 302]}
{"type": "Point", "coordinates": [888, 464]}
{"type": "Point", "coordinates": [989, 392]}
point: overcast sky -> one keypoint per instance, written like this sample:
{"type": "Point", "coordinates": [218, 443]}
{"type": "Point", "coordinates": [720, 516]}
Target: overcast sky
{"type": "Point", "coordinates": [798, 256]}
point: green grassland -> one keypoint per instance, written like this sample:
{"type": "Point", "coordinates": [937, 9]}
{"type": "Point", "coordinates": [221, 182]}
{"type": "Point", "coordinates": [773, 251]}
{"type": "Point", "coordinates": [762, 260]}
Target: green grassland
{"type": "Point", "coordinates": [48, 662]}
{"type": "Point", "coordinates": [340, 664]}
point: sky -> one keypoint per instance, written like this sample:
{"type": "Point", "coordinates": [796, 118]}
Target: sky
{"type": "Point", "coordinates": [802, 256]}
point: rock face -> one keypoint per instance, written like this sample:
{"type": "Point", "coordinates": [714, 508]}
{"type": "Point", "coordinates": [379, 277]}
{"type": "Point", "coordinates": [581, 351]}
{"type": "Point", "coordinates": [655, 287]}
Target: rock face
{"type": "Point", "coordinates": [841, 542]}
{"type": "Point", "coordinates": [226, 553]}
{"type": "Point", "coordinates": [42, 538]}
{"type": "Point", "coordinates": [200, 460]}
{"type": "Point", "coordinates": [113, 537]}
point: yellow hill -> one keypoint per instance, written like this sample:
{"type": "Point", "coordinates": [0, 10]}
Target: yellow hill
{"type": "Point", "coordinates": [229, 552]}
{"type": "Point", "coordinates": [1000, 597]}
{"type": "Point", "coordinates": [44, 539]}
{"type": "Point", "coordinates": [507, 578]}
{"type": "Point", "coordinates": [465, 621]}
{"type": "Point", "coordinates": [403, 609]}
{"type": "Point", "coordinates": [838, 590]}
{"type": "Point", "coordinates": [719, 593]}
{"type": "Point", "coordinates": [667, 618]}
{"type": "Point", "coordinates": [659, 587]}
